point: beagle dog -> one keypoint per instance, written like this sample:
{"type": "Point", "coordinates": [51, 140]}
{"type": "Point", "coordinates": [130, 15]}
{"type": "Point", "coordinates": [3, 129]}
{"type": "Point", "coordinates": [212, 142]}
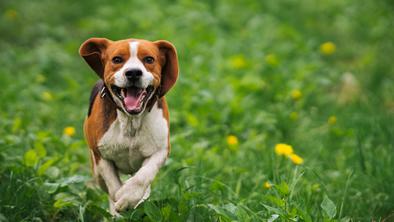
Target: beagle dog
{"type": "Point", "coordinates": [127, 127]}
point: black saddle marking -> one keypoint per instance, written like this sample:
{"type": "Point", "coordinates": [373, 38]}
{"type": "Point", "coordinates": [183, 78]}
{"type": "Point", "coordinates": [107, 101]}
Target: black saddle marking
{"type": "Point", "coordinates": [96, 89]}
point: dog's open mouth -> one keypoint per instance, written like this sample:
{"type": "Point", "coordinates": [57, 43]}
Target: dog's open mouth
{"type": "Point", "coordinates": [133, 98]}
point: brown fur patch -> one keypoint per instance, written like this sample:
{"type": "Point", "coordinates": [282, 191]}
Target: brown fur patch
{"type": "Point", "coordinates": [103, 113]}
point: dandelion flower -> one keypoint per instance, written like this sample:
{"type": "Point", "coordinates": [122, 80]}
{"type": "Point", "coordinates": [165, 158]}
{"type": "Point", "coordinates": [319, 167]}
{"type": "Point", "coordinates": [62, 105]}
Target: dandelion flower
{"type": "Point", "coordinates": [238, 62]}
{"type": "Point", "coordinates": [232, 140]}
{"type": "Point", "coordinates": [267, 185]}
{"type": "Point", "coordinates": [327, 48]}
{"type": "Point", "coordinates": [283, 149]}
{"type": "Point", "coordinates": [297, 160]}
{"type": "Point", "coordinates": [332, 120]}
{"type": "Point", "coordinates": [296, 94]}
{"type": "Point", "coordinates": [69, 131]}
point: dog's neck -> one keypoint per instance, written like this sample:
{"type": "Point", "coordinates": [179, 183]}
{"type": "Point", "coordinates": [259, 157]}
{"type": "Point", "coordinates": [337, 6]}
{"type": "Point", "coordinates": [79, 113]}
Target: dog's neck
{"type": "Point", "coordinates": [130, 124]}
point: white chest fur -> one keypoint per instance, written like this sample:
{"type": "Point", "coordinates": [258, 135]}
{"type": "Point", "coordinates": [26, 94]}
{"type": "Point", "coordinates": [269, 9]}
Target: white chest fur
{"type": "Point", "coordinates": [130, 140]}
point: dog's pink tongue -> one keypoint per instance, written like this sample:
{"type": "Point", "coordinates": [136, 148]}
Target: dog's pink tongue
{"type": "Point", "coordinates": [131, 99]}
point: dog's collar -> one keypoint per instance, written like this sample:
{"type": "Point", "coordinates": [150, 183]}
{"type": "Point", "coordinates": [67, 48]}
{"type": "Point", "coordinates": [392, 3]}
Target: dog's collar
{"type": "Point", "coordinates": [105, 92]}
{"type": "Point", "coordinates": [155, 98]}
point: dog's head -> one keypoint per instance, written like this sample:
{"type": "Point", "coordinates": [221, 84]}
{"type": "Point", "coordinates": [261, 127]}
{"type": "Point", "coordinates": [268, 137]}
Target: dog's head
{"type": "Point", "coordinates": [133, 70]}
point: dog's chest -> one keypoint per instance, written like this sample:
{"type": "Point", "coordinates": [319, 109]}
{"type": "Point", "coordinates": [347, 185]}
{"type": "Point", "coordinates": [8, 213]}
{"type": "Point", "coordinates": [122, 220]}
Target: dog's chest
{"type": "Point", "coordinates": [129, 141]}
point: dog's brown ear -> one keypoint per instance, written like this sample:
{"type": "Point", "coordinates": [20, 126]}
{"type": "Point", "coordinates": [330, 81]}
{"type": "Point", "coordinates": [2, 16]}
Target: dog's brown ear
{"type": "Point", "coordinates": [92, 51]}
{"type": "Point", "coordinates": [169, 72]}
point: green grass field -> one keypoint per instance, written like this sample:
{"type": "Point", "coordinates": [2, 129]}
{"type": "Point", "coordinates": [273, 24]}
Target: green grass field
{"type": "Point", "coordinates": [316, 75]}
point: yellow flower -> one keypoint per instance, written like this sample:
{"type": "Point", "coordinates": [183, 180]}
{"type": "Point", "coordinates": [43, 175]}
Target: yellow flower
{"type": "Point", "coordinates": [267, 185]}
{"type": "Point", "coordinates": [293, 116]}
{"type": "Point", "coordinates": [283, 149]}
{"type": "Point", "coordinates": [296, 159]}
{"type": "Point", "coordinates": [47, 96]}
{"type": "Point", "coordinates": [332, 120]}
{"type": "Point", "coordinates": [238, 62]}
{"type": "Point", "coordinates": [271, 59]}
{"type": "Point", "coordinates": [327, 48]}
{"type": "Point", "coordinates": [232, 140]}
{"type": "Point", "coordinates": [296, 94]}
{"type": "Point", "coordinates": [69, 131]}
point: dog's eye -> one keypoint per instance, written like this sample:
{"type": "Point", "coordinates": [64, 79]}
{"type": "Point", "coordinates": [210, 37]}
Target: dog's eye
{"type": "Point", "coordinates": [149, 59]}
{"type": "Point", "coordinates": [117, 59]}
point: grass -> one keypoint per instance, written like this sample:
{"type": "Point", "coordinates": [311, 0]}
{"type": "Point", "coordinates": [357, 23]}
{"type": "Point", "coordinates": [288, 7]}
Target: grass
{"type": "Point", "coordinates": [258, 73]}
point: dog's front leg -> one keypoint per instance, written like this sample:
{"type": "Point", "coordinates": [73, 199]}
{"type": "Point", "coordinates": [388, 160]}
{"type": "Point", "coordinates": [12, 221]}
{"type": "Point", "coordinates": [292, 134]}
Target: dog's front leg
{"type": "Point", "coordinates": [137, 188]}
{"type": "Point", "coordinates": [107, 173]}
{"type": "Point", "coordinates": [109, 180]}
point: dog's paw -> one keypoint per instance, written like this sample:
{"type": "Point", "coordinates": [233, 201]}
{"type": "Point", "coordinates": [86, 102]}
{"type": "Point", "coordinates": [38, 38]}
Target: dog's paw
{"type": "Point", "coordinates": [115, 214]}
{"type": "Point", "coordinates": [129, 195]}
{"type": "Point", "coordinates": [112, 209]}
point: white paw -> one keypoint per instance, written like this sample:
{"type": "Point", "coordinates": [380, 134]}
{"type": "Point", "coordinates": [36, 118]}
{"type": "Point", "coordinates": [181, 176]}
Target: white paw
{"type": "Point", "coordinates": [112, 210]}
{"type": "Point", "coordinates": [129, 195]}
{"type": "Point", "coordinates": [146, 195]}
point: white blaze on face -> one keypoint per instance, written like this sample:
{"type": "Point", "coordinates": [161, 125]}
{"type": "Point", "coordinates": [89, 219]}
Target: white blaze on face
{"type": "Point", "coordinates": [133, 63]}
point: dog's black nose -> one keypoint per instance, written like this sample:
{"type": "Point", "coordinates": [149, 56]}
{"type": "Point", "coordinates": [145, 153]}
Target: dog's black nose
{"type": "Point", "coordinates": [133, 74]}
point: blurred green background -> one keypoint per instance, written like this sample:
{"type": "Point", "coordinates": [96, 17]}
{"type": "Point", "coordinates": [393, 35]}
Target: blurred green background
{"type": "Point", "coordinates": [316, 75]}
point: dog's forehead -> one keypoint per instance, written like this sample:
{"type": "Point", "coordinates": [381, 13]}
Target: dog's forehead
{"type": "Point", "coordinates": [124, 47]}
